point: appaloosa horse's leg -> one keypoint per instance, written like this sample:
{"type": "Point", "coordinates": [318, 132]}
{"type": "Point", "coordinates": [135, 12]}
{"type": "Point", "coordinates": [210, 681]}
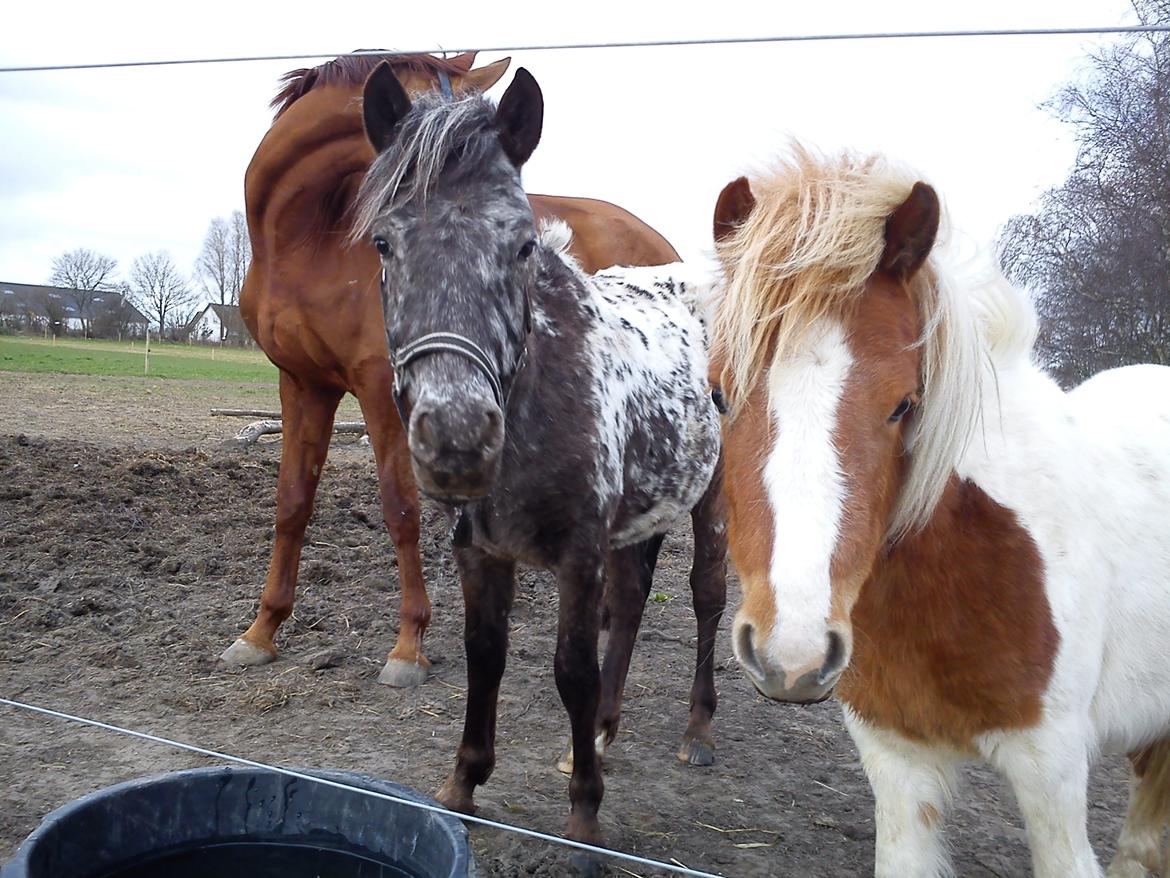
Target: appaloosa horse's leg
{"type": "Point", "coordinates": [307, 414]}
{"type": "Point", "coordinates": [406, 665]}
{"type": "Point", "coordinates": [709, 597]}
{"type": "Point", "coordinates": [488, 585]}
{"type": "Point", "coordinates": [581, 578]}
{"type": "Point", "coordinates": [631, 573]}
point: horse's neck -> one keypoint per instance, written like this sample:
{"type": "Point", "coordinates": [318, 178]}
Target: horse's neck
{"type": "Point", "coordinates": [552, 370]}
{"type": "Point", "coordinates": [307, 167]}
{"type": "Point", "coordinates": [953, 632]}
{"type": "Point", "coordinates": [1022, 424]}
{"type": "Point", "coordinates": [547, 442]}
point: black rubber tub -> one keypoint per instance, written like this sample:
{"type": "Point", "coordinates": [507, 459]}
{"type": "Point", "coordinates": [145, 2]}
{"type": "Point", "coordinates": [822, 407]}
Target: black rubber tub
{"type": "Point", "coordinates": [244, 823]}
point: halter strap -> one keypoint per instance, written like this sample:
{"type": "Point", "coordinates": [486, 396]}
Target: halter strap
{"type": "Point", "coordinates": [454, 343]}
{"type": "Point", "coordinates": [445, 84]}
{"type": "Point", "coordinates": [450, 342]}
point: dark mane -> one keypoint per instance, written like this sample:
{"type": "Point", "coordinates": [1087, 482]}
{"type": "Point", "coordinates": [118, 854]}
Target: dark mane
{"type": "Point", "coordinates": [434, 131]}
{"type": "Point", "coordinates": [353, 70]}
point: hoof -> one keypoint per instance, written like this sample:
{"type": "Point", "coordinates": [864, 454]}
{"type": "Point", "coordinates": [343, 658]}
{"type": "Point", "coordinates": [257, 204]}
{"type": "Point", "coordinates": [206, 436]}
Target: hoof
{"type": "Point", "coordinates": [454, 798]}
{"type": "Point", "coordinates": [585, 865]}
{"type": "Point", "coordinates": [247, 654]}
{"type": "Point", "coordinates": [694, 752]}
{"type": "Point", "coordinates": [404, 675]}
{"type": "Point", "coordinates": [588, 831]}
{"type": "Point", "coordinates": [1124, 866]}
{"type": "Point", "coordinates": [565, 765]}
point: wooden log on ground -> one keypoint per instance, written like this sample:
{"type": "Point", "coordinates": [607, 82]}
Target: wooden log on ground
{"type": "Point", "coordinates": [246, 413]}
{"type": "Point", "coordinates": [251, 434]}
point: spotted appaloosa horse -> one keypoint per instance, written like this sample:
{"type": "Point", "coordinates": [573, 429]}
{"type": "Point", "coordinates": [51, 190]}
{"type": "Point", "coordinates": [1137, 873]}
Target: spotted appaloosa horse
{"type": "Point", "coordinates": [311, 302]}
{"type": "Point", "coordinates": [566, 418]}
{"type": "Point", "coordinates": [921, 518]}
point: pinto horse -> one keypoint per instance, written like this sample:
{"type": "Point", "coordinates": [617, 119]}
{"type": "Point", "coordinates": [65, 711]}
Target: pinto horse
{"type": "Point", "coordinates": [566, 419]}
{"type": "Point", "coordinates": [976, 561]}
{"type": "Point", "coordinates": [311, 301]}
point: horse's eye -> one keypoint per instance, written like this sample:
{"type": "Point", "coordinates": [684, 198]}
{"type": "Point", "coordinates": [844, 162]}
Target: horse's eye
{"type": "Point", "coordinates": [382, 245]}
{"type": "Point", "coordinates": [904, 406]}
{"type": "Point", "coordinates": [526, 250]}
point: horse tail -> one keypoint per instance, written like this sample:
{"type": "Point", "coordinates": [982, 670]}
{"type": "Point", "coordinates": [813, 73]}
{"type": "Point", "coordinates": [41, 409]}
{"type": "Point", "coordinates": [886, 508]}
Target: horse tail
{"type": "Point", "coordinates": [1148, 813]}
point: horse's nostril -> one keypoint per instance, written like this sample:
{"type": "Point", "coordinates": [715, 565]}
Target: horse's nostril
{"type": "Point", "coordinates": [745, 650]}
{"type": "Point", "coordinates": [491, 428]}
{"type": "Point", "coordinates": [834, 658]}
{"type": "Point", "coordinates": [421, 432]}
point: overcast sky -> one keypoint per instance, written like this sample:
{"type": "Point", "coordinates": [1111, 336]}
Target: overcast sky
{"type": "Point", "coordinates": [129, 161]}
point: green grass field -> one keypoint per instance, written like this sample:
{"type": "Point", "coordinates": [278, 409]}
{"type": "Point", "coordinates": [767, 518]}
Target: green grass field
{"type": "Point", "coordinates": [167, 360]}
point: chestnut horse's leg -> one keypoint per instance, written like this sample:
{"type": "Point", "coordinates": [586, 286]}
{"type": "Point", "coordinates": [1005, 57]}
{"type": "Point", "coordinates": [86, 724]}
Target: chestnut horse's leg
{"type": "Point", "coordinates": [406, 665]}
{"type": "Point", "coordinates": [581, 579]}
{"type": "Point", "coordinates": [307, 415]}
{"type": "Point", "coordinates": [709, 597]}
{"type": "Point", "coordinates": [488, 585]}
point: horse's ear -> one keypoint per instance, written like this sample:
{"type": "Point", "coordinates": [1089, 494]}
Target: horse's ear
{"type": "Point", "coordinates": [910, 232]}
{"type": "Point", "coordinates": [733, 207]}
{"type": "Point", "coordinates": [463, 60]}
{"type": "Point", "coordinates": [520, 117]}
{"type": "Point", "coordinates": [483, 78]}
{"type": "Point", "coordinates": [384, 103]}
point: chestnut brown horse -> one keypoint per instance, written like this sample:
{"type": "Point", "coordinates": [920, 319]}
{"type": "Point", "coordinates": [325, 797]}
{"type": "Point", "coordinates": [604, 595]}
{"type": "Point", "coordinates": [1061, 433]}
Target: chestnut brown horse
{"type": "Point", "coordinates": [312, 303]}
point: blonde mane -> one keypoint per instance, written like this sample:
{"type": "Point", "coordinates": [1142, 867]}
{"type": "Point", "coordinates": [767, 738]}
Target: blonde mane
{"type": "Point", "coordinates": [805, 252]}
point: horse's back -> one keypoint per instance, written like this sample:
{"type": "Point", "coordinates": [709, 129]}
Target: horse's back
{"type": "Point", "coordinates": [604, 234]}
{"type": "Point", "coordinates": [1120, 508]}
{"type": "Point", "coordinates": [1123, 417]}
{"type": "Point", "coordinates": [659, 427]}
{"type": "Point", "coordinates": [1145, 386]}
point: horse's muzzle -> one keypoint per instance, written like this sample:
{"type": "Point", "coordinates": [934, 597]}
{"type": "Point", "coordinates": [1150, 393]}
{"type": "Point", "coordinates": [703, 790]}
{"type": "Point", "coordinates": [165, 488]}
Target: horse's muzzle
{"type": "Point", "coordinates": [455, 448]}
{"type": "Point", "coordinates": [810, 684]}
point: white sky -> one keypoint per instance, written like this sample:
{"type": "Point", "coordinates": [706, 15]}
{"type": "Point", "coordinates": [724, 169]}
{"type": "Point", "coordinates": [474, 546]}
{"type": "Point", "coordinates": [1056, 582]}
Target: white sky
{"type": "Point", "coordinates": [129, 161]}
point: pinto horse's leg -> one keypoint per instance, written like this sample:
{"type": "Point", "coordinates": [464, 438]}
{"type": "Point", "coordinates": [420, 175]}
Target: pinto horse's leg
{"type": "Point", "coordinates": [488, 585]}
{"type": "Point", "coordinates": [406, 665]}
{"type": "Point", "coordinates": [1140, 847]}
{"type": "Point", "coordinates": [581, 579]}
{"type": "Point", "coordinates": [912, 786]}
{"type": "Point", "coordinates": [709, 597]}
{"type": "Point", "coordinates": [1048, 768]}
{"type": "Point", "coordinates": [307, 415]}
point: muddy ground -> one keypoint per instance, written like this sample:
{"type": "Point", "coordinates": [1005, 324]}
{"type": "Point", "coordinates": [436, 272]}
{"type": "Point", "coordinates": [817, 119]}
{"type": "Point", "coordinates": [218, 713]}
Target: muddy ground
{"type": "Point", "coordinates": [133, 546]}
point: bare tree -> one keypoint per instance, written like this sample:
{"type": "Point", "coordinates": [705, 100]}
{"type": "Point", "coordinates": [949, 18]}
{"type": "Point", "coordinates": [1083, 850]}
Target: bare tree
{"type": "Point", "coordinates": [212, 265]}
{"type": "Point", "coordinates": [160, 289]}
{"type": "Point", "coordinates": [1096, 253]}
{"type": "Point", "coordinates": [114, 315]}
{"type": "Point", "coordinates": [55, 316]}
{"type": "Point", "coordinates": [241, 254]}
{"type": "Point", "coordinates": [88, 273]}
{"type": "Point", "coordinates": [224, 259]}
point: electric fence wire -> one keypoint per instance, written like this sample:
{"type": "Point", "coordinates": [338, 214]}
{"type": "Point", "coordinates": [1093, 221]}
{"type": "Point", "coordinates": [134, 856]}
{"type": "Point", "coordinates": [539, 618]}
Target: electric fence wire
{"type": "Point", "coordinates": [626, 44]}
{"type": "Point", "coordinates": [436, 809]}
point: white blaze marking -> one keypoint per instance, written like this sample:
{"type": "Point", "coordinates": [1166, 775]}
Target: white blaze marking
{"type": "Point", "coordinates": [806, 491]}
